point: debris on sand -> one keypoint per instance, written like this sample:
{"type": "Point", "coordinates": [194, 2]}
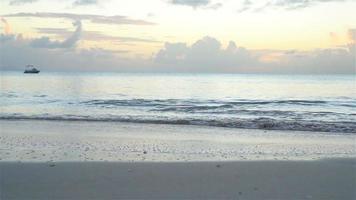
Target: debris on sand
{"type": "Point", "coordinates": [51, 164]}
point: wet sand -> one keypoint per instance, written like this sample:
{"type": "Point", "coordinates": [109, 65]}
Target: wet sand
{"type": "Point", "coordinates": [318, 179]}
{"type": "Point", "coordinates": [72, 141]}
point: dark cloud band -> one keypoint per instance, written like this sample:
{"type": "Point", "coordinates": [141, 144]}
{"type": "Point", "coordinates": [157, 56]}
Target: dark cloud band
{"type": "Point", "coordinates": [20, 2]}
{"type": "Point", "coordinates": [94, 35]}
{"type": "Point", "coordinates": [99, 19]}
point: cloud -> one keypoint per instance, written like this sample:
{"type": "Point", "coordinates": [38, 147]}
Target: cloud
{"type": "Point", "coordinates": [84, 2]}
{"type": "Point", "coordinates": [352, 35]}
{"type": "Point", "coordinates": [205, 55]}
{"type": "Point", "coordinates": [215, 6]}
{"type": "Point", "coordinates": [192, 3]}
{"type": "Point", "coordinates": [45, 42]}
{"type": "Point", "coordinates": [99, 36]}
{"type": "Point", "coordinates": [63, 59]}
{"type": "Point", "coordinates": [206, 4]}
{"type": "Point", "coordinates": [93, 35]}
{"type": "Point", "coordinates": [7, 27]}
{"type": "Point", "coordinates": [253, 5]}
{"type": "Point", "coordinates": [75, 3]}
{"type": "Point", "coordinates": [246, 5]}
{"type": "Point", "coordinates": [352, 43]}
{"type": "Point", "coordinates": [99, 19]}
{"type": "Point", "coordinates": [208, 55]}
{"type": "Point", "coordinates": [319, 61]}
{"type": "Point", "coordinates": [63, 32]}
{"type": "Point", "coordinates": [20, 2]}
{"type": "Point", "coordinates": [333, 37]}
{"type": "Point", "coordinates": [6, 37]}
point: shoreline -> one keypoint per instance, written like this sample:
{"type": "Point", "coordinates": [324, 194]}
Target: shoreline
{"type": "Point", "coordinates": [110, 122]}
{"type": "Point", "coordinates": [318, 179]}
{"type": "Point", "coordinates": [61, 160]}
{"type": "Point", "coordinates": [171, 123]}
{"type": "Point", "coordinates": [88, 141]}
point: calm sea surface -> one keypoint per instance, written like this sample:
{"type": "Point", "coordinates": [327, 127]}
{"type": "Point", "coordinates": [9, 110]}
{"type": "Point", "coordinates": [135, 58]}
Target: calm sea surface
{"type": "Point", "coordinates": [281, 102]}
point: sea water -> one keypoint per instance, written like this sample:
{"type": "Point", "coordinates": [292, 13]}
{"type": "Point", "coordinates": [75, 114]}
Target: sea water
{"type": "Point", "coordinates": [319, 103]}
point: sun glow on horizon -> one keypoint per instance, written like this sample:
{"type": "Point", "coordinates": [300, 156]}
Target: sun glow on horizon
{"type": "Point", "coordinates": [143, 28]}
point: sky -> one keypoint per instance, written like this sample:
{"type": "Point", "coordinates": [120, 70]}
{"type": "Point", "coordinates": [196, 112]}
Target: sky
{"type": "Point", "coordinates": [207, 36]}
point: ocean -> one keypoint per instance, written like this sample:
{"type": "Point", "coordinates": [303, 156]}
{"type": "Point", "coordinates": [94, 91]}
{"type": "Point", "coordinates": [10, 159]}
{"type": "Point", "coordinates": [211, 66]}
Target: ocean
{"type": "Point", "coordinates": [318, 103]}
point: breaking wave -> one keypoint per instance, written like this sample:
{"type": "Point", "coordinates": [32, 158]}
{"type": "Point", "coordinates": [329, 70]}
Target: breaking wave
{"type": "Point", "coordinates": [256, 123]}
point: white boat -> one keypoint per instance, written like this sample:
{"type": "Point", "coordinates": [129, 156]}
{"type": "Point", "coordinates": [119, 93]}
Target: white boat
{"type": "Point", "coordinates": [31, 70]}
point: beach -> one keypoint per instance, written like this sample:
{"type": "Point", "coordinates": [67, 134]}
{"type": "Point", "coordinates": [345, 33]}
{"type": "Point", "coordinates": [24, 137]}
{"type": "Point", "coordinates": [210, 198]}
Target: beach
{"type": "Point", "coordinates": [177, 136]}
{"type": "Point", "coordinates": [321, 179]}
{"type": "Point", "coordinates": [63, 141]}
{"type": "Point", "coordinates": [103, 160]}
{"type": "Point", "coordinates": [177, 99]}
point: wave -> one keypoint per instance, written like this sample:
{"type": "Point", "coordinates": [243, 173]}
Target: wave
{"type": "Point", "coordinates": [256, 123]}
{"type": "Point", "coordinates": [327, 115]}
{"type": "Point", "coordinates": [166, 102]}
{"type": "Point", "coordinates": [281, 108]}
{"type": "Point", "coordinates": [187, 104]}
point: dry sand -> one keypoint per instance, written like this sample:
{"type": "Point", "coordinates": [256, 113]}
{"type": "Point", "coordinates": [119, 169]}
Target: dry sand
{"type": "Point", "coordinates": [319, 179]}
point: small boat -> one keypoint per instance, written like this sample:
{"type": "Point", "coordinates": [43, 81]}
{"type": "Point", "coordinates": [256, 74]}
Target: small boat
{"type": "Point", "coordinates": [30, 69]}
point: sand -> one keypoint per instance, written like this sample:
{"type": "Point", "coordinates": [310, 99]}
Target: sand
{"type": "Point", "coordinates": [320, 179]}
{"type": "Point", "coordinates": [103, 160]}
{"type": "Point", "coordinates": [42, 141]}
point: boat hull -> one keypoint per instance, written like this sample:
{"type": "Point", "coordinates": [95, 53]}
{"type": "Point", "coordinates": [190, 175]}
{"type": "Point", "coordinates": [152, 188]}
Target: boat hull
{"type": "Point", "coordinates": [31, 72]}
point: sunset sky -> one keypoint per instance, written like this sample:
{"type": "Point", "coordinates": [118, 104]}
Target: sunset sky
{"type": "Point", "coordinates": [227, 36]}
